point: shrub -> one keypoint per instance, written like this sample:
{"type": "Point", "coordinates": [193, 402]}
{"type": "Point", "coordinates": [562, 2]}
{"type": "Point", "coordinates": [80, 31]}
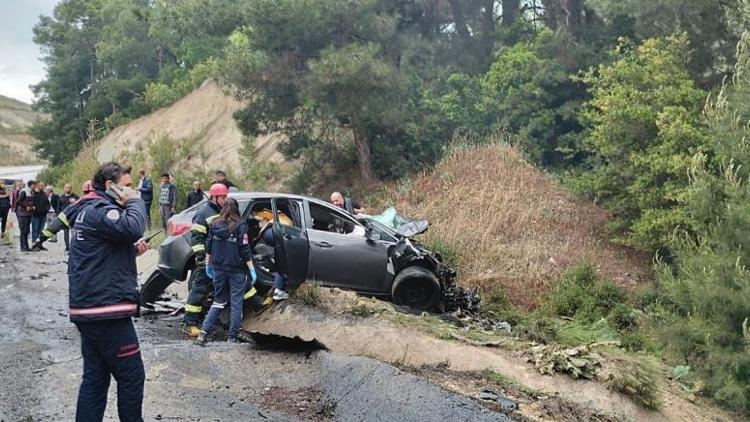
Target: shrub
{"type": "Point", "coordinates": [573, 296]}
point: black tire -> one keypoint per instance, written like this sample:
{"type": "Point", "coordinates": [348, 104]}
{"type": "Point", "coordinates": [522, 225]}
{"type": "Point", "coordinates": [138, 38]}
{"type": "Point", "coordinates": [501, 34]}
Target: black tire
{"type": "Point", "coordinates": [152, 289]}
{"type": "Point", "coordinates": [416, 287]}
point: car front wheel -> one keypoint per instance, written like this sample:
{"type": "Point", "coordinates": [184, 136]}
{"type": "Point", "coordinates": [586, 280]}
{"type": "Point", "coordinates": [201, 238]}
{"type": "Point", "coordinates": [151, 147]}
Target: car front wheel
{"type": "Point", "coordinates": [416, 287]}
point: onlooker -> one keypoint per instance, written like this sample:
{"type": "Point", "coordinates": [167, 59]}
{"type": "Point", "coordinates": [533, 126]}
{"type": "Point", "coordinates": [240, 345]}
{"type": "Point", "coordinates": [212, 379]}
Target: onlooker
{"type": "Point", "coordinates": [25, 211]}
{"type": "Point", "coordinates": [167, 199]}
{"type": "Point", "coordinates": [41, 207]}
{"type": "Point", "coordinates": [67, 199]}
{"type": "Point", "coordinates": [54, 207]}
{"type": "Point", "coordinates": [229, 258]}
{"type": "Point", "coordinates": [346, 203]}
{"type": "Point", "coordinates": [103, 294]}
{"type": "Point", "coordinates": [221, 177]}
{"type": "Point", "coordinates": [4, 209]}
{"type": "Point", "coordinates": [146, 190]}
{"type": "Point", "coordinates": [195, 196]}
{"type": "Point", "coordinates": [16, 190]}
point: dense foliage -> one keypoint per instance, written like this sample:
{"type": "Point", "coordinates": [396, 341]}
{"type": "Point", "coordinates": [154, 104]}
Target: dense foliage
{"type": "Point", "coordinates": [610, 94]}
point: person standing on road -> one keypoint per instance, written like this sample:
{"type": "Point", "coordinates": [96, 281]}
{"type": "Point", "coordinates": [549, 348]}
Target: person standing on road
{"type": "Point", "coordinates": [17, 189]}
{"type": "Point", "coordinates": [24, 212]}
{"type": "Point", "coordinates": [108, 226]}
{"type": "Point", "coordinates": [167, 199]}
{"type": "Point", "coordinates": [4, 209]}
{"type": "Point", "coordinates": [200, 284]}
{"type": "Point", "coordinates": [67, 199]}
{"type": "Point", "coordinates": [229, 259]}
{"type": "Point", "coordinates": [41, 207]}
{"type": "Point", "coordinates": [146, 190]}
{"type": "Point", "coordinates": [195, 196]}
{"type": "Point", "coordinates": [54, 207]}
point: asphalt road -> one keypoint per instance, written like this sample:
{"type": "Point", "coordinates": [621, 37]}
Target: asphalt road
{"type": "Point", "coordinates": [40, 368]}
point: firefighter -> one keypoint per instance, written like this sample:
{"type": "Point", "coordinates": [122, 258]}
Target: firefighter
{"type": "Point", "coordinates": [200, 284]}
{"type": "Point", "coordinates": [108, 229]}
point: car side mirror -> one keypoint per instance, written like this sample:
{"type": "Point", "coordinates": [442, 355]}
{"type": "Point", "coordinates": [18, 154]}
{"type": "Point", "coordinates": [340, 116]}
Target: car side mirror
{"type": "Point", "coordinates": [370, 233]}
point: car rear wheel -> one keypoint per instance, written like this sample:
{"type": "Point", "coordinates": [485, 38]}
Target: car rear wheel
{"type": "Point", "coordinates": [417, 288]}
{"type": "Point", "coordinates": [152, 289]}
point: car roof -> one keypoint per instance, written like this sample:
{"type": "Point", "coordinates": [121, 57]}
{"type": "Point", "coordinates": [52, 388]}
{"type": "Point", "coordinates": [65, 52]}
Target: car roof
{"type": "Point", "coordinates": [256, 195]}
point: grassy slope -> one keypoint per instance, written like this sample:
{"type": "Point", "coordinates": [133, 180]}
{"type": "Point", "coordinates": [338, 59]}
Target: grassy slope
{"type": "Point", "coordinates": [510, 225]}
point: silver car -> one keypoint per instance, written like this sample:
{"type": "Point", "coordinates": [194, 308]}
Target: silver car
{"type": "Point", "coordinates": [328, 246]}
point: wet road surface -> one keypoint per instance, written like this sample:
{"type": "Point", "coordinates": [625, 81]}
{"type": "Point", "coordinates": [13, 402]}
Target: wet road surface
{"type": "Point", "coordinates": [41, 367]}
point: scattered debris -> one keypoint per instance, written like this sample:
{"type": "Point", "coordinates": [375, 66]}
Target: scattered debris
{"type": "Point", "coordinates": [578, 362]}
{"type": "Point", "coordinates": [506, 404]}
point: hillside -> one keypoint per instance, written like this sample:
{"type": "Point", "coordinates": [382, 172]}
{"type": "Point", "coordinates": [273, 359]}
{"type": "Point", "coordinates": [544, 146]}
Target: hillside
{"type": "Point", "coordinates": [201, 122]}
{"type": "Point", "coordinates": [510, 225]}
{"type": "Point", "coordinates": [16, 145]}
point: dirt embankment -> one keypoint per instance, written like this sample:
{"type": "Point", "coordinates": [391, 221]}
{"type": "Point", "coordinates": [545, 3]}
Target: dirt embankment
{"type": "Point", "coordinates": [356, 326]}
{"type": "Point", "coordinates": [204, 120]}
{"type": "Point", "coordinates": [510, 225]}
{"type": "Point", "coordinates": [16, 145]}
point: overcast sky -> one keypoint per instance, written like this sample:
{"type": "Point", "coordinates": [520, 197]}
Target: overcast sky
{"type": "Point", "coordinates": [19, 56]}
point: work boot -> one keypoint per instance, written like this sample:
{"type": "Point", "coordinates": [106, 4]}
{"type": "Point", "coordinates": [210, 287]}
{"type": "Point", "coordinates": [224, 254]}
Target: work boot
{"type": "Point", "coordinates": [191, 330]}
{"type": "Point", "coordinates": [233, 340]}
{"type": "Point", "coordinates": [202, 338]}
{"type": "Point", "coordinates": [279, 294]}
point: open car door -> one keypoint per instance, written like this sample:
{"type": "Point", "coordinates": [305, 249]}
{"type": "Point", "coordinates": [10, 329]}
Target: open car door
{"type": "Point", "coordinates": [292, 247]}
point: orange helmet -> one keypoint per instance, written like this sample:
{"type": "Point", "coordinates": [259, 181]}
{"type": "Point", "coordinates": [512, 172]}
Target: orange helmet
{"type": "Point", "coordinates": [218, 189]}
{"type": "Point", "coordinates": [87, 187]}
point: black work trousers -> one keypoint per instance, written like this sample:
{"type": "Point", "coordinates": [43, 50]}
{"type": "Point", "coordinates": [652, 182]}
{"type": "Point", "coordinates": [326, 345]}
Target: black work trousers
{"type": "Point", "coordinates": [200, 287]}
{"type": "Point", "coordinates": [3, 219]}
{"type": "Point", "coordinates": [24, 225]}
{"type": "Point", "coordinates": [110, 349]}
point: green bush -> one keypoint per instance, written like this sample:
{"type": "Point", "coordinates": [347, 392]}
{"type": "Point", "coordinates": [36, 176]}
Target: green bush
{"type": "Point", "coordinates": [574, 295]}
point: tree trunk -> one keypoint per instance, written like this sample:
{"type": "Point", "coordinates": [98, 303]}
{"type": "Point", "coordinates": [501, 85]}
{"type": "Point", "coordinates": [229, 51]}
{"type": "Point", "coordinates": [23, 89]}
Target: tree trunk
{"type": "Point", "coordinates": [460, 20]}
{"type": "Point", "coordinates": [363, 151]}
{"type": "Point", "coordinates": [488, 27]}
{"type": "Point", "coordinates": [511, 11]}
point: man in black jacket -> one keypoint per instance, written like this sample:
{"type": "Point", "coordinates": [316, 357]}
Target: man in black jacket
{"type": "Point", "coordinates": [195, 196]}
{"type": "Point", "coordinates": [41, 207]}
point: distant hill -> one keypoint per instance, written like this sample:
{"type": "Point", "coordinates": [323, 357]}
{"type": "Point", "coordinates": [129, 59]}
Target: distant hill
{"type": "Point", "coordinates": [203, 126]}
{"type": "Point", "coordinates": [16, 145]}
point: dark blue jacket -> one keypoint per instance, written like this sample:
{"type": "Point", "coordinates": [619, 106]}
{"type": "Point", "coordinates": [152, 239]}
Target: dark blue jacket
{"type": "Point", "coordinates": [101, 266]}
{"type": "Point", "coordinates": [230, 251]}
{"type": "Point", "coordinates": [147, 189]}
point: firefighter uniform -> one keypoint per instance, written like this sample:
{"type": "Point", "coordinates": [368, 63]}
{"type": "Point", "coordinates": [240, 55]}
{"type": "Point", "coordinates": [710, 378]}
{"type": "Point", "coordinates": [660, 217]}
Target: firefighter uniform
{"type": "Point", "coordinates": [200, 285]}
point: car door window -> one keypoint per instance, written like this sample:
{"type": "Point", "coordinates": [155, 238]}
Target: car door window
{"type": "Point", "coordinates": [329, 220]}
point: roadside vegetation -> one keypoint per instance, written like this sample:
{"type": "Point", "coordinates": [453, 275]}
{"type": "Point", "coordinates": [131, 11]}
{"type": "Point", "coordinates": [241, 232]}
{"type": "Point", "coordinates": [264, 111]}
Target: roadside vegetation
{"type": "Point", "coordinates": [629, 244]}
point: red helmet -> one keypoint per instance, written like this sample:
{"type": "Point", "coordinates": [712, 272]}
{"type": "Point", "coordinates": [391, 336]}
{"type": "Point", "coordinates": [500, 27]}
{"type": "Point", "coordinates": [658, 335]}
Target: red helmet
{"type": "Point", "coordinates": [218, 189]}
{"type": "Point", "coordinates": [87, 187]}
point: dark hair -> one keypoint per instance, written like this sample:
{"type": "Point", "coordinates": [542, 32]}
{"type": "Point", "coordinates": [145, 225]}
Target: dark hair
{"type": "Point", "coordinates": [230, 214]}
{"type": "Point", "coordinates": [30, 183]}
{"type": "Point", "coordinates": [111, 171]}
{"type": "Point", "coordinates": [165, 175]}
{"type": "Point", "coordinates": [220, 173]}
{"type": "Point", "coordinates": [142, 172]}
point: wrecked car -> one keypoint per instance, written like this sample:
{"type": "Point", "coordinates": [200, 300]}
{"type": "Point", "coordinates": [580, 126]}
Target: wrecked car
{"type": "Point", "coordinates": [329, 246]}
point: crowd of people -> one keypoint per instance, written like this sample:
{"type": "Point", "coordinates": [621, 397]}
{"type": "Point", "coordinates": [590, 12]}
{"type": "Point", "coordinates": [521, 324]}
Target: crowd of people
{"type": "Point", "coordinates": [104, 233]}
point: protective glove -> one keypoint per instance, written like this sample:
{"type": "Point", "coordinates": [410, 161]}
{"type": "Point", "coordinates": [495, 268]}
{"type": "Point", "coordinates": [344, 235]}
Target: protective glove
{"type": "Point", "coordinates": [37, 246]}
{"type": "Point", "coordinates": [200, 259]}
{"type": "Point", "coordinates": [210, 272]}
{"type": "Point", "coordinates": [253, 275]}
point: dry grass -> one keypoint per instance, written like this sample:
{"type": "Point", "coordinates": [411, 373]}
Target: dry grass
{"type": "Point", "coordinates": [511, 225]}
